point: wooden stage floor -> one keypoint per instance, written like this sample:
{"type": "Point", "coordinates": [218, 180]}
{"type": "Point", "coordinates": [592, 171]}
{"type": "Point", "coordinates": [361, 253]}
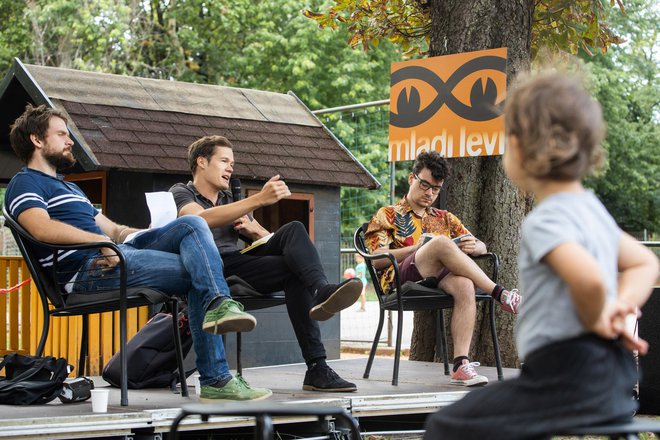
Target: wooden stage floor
{"type": "Point", "coordinates": [423, 388]}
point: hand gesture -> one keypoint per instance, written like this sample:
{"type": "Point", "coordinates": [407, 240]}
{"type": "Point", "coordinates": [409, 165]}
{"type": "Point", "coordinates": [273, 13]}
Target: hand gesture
{"type": "Point", "coordinates": [273, 191]}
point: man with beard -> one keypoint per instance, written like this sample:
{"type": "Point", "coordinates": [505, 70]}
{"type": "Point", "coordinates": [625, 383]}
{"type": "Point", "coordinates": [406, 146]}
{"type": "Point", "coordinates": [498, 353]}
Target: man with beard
{"type": "Point", "coordinates": [431, 243]}
{"type": "Point", "coordinates": [167, 259]}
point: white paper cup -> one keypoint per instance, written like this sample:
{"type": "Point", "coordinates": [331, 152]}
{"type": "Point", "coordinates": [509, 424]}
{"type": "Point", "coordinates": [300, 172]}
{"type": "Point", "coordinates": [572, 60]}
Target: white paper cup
{"type": "Point", "coordinates": [198, 387]}
{"type": "Point", "coordinates": [100, 400]}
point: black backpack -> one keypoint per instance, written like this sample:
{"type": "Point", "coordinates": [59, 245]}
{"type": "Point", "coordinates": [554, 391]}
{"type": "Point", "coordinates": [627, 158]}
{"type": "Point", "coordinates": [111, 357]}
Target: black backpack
{"type": "Point", "coordinates": [31, 379]}
{"type": "Point", "coordinates": [151, 355]}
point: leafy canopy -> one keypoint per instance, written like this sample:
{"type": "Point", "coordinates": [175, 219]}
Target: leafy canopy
{"type": "Point", "coordinates": [568, 25]}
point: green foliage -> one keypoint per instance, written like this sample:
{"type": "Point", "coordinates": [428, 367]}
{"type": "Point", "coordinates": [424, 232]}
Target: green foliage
{"type": "Point", "coordinates": [625, 82]}
{"type": "Point", "coordinates": [567, 25]}
{"type": "Point", "coordinates": [268, 46]}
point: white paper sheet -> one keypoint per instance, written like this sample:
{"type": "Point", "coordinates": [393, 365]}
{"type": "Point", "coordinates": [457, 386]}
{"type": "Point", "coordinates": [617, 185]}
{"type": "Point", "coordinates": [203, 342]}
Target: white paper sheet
{"type": "Point", "coordinates": [161, 208]}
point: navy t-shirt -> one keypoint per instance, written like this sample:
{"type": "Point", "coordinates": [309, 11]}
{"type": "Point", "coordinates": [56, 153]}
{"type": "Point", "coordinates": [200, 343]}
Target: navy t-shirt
{"type": "Point", "coordinates": [64, 201]}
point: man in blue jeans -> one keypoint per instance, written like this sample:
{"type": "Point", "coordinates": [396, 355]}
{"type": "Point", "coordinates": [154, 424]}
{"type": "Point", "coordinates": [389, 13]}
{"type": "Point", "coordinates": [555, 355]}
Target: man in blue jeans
{"type": "Point", "coordinates": [177, 259]}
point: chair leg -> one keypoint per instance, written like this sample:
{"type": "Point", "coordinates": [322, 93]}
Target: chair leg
{"type": "Point", "coordinates": [84, 344]}
{"type": "Point", "coordinates": [374, 346]}
{"type": "Point", "coordinates": [122, 352]}
{"type": "Point", "coordinates": [44, 332]}
{"type": "Point", "coordinates": [496, 344]}
{"type": "Point", "coordinates": [441, 340]}
{"type": "Point", "coordinates": [239, 367]}
{"type": "Point", "coordinates": [397, 350]}
{"type": "Point", "coordinates": [178, 349]}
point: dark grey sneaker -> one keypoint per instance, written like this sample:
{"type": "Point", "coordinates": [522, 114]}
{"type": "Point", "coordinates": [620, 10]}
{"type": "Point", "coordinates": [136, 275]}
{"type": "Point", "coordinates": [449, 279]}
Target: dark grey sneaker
{"type": "Point", "coordinates": [333, 298]}
{"type": "Point", "coordinates": [324, 378]}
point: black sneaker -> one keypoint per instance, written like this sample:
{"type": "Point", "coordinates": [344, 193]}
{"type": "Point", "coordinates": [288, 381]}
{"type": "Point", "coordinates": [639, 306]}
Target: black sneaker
{"type": "Point", "coordinates": [333, 298]}
{"type": "Point", "coordinates": [324, 378]}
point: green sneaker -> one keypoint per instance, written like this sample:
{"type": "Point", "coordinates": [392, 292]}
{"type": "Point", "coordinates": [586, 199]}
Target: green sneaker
{"type": "Point", "coordinates": [236, 389]}
{"type": "Point", "coordinates": [228, 317]}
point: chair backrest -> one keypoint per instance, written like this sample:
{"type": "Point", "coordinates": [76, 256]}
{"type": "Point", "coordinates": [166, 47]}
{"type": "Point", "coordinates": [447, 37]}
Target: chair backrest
{"type": "Point", "coordinates": [361, 247]}
{"type": "Point", "coordinates": [45, 282]}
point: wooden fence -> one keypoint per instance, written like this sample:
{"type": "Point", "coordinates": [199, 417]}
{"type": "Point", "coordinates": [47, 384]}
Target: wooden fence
{"type": "Point", "coordinates": [22, 318]}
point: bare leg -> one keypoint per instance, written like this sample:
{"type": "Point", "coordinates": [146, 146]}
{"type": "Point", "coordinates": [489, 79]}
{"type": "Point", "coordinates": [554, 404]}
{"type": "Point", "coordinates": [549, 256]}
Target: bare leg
{"type": "Point", "coordinates": [464, 314]}
{"type": "Point", "coordinates": [442, 252]}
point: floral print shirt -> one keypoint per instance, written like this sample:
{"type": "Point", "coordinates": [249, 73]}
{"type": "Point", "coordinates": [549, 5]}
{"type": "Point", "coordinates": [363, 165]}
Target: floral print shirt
{"type": "Point", "coordinates": [398, 226]}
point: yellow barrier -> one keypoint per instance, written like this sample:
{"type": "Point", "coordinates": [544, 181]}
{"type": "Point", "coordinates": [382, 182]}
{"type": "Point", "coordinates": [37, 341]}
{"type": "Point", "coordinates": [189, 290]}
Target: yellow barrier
{"type": "Point", "coordinates": [22, 317]}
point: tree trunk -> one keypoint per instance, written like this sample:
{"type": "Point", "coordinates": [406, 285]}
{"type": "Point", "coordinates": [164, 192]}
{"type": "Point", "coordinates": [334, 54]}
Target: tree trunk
{"type": "Point", "coordinates": [478, 191]}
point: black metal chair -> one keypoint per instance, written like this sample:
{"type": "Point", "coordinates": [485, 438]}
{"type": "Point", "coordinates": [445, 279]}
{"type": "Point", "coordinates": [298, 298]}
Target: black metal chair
{"type": "Point", "coordinates": [416, 297]}
{"type": "Point", "coordinates": [263, 414]}
{"type": "Point", "coordinates": [52, 294]}
{"type": "Point", "coordinates": [251, 299]}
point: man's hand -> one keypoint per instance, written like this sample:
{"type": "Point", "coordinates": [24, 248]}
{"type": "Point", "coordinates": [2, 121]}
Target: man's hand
{"type": "Point", "coordinates": [109, 260]}
{"type": "Point", "coordinates": [273, 191]}
{"type": "Point", "coordinates": [468, 244]}
{"type": "Point", "coordinates": [250, 228]}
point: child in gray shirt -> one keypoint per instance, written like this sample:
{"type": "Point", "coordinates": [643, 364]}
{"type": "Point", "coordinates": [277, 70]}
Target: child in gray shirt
{"type": "Point", "coordinates": [580, 277]}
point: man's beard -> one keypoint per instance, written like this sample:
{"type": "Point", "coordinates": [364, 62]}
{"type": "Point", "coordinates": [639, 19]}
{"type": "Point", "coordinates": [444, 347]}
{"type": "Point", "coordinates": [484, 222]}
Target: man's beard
{"type": "Point", "coordinates": [59, 160]}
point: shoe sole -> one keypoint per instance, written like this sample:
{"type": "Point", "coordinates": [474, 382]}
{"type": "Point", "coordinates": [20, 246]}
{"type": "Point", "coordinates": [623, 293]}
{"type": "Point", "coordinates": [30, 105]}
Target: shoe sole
{"type": "Point", "coordinates": [342, 298]}
{"type": "Point", "coordinates": [333, 390]}
{"type": "Point", "coordinates": [238, 324]}
{"type": "Point", "coordinates": [210, 400]}
{"type": "Point", "coordinates": [469, 383]}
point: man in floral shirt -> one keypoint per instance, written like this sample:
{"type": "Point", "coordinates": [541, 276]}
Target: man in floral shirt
{"type": "Point", "coordinates": [420, 237]}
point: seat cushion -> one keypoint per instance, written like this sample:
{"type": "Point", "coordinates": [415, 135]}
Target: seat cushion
{"type": "Point", "coordinates": [107, 300]}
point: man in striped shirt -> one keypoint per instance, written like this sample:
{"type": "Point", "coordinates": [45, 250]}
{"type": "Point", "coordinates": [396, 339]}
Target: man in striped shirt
{"type": "Point", "coordinates": [178, 259]}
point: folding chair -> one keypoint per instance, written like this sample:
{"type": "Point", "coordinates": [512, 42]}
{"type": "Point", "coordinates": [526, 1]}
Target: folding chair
{"type": "Point", "coordinates": [89, 302]}
{"type": "Point", "coordinates": [251, 299]}
{"type": "Point", "coordinates": [416, 297]}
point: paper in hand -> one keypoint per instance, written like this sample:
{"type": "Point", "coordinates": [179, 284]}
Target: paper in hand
{"type": "Point", "coordinates": [161, 208]}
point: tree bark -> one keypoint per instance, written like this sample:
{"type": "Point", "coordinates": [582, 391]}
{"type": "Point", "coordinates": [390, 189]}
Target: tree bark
{"type": "Point", "coordinates": [479, 192]}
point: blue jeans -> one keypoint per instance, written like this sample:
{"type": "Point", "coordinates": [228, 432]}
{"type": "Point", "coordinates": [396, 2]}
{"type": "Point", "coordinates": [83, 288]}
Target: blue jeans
{"type": "Point", "coordinates": [179, 259]}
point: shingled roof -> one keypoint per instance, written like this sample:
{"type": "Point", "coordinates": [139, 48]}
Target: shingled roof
{"type": "Point", "coordinates": [140, 124]}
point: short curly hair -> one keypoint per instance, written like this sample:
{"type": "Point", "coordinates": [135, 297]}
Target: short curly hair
{"type": "Point", "coordinates": [435, 163]}
{"type": "Point", "coordinates": [559, 126]}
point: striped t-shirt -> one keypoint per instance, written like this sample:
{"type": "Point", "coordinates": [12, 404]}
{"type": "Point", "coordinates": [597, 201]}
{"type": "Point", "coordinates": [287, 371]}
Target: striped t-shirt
{"type": "Point", "coordinates": [64, 201]}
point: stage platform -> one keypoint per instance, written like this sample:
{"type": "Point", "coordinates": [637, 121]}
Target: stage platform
{"type": "Point", "coordinates": [423, 388]}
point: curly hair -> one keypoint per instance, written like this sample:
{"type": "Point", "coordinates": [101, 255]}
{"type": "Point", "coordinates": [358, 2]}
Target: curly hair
{"type": "Point", "coordinates": [205, 147]}
{"type": "Point", "coordinates": [559, 127]}
{"type": "Point", "coordinates": [435, 163]}
{"type": "Point", "coordinates": [33, 121]}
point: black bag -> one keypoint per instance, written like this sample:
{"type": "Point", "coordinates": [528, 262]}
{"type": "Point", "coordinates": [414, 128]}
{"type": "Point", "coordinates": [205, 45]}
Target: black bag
{"type": "Point", "coordinates": [151, 355]}
{"type": "Point", "coordinates": [31, 379]}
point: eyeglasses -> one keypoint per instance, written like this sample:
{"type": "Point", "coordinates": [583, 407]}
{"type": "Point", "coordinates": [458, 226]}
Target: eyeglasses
{"type": "Point", "coordinates": [426, 185]}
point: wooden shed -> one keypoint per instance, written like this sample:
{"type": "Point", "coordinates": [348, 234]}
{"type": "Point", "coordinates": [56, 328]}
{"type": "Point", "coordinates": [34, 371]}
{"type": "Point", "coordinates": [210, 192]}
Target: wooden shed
{"type": "Point", "coordinates": [131, 136]}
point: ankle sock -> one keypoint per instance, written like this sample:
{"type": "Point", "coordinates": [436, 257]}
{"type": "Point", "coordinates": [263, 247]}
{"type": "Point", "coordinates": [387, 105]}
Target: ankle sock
{"type": "Point", "coordinates": [221, 382]}
{"type": "Point", "coordinates": [458, 361]}
{"type": "Point", "coordinates": [215, 302]}
{"type": "Point", "coordinates": [497, 292]}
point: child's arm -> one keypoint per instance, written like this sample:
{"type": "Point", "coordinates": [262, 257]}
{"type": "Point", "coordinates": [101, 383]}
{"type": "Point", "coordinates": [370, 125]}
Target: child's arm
{"type": "Point", "coordinates": [581, 273]}
{"type": "Point", "coordinates": [638, 271]}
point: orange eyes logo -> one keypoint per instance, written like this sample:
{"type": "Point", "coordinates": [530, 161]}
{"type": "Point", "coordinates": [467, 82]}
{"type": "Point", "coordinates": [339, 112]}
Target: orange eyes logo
{"type": "Point", "coordinates": [482, 98]}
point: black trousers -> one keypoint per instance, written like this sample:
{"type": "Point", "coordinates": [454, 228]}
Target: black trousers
{"type": "Point", "coordinates": [577, 382]}
{"type": "Point", "coordinates": [290, 262]}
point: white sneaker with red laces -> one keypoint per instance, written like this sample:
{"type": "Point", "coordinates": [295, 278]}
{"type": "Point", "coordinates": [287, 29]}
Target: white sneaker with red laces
{"type": "Point", "coordinates": [466, 375]}
{"type": "Point", "coordinates": [510, 301]}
